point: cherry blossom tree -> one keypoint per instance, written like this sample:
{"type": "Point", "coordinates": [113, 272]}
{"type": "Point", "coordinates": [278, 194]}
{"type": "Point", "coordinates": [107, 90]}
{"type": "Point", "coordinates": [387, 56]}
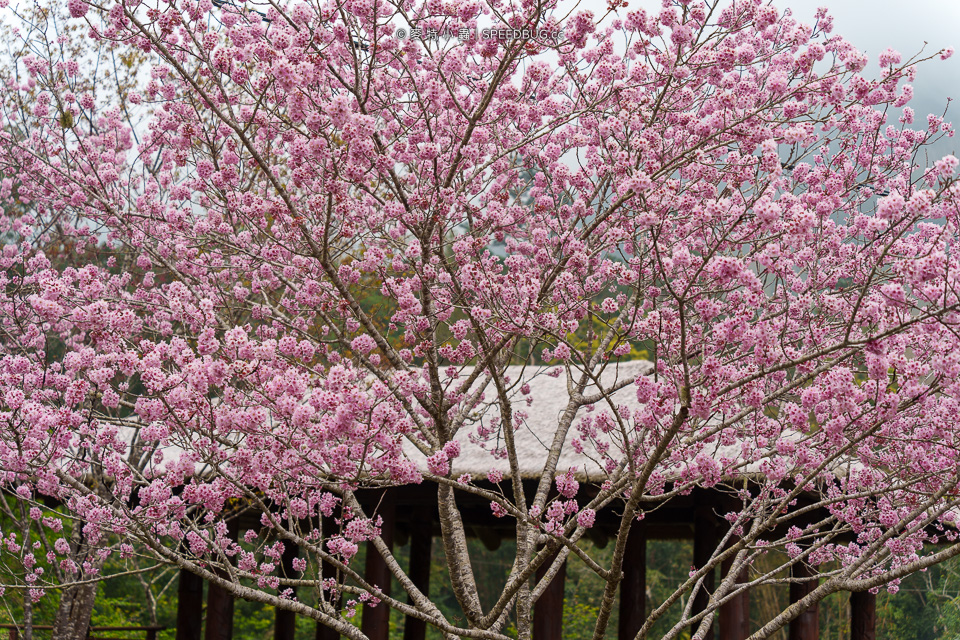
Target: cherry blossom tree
{"type": "Point", "coordinates": [189, 266]}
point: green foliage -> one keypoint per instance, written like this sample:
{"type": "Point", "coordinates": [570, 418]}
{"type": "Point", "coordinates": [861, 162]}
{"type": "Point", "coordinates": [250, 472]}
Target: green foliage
{"type": "Point", "coordinates": [253, 620]}
{"type": "Point", "coordinates": [582, 593]}
{"type": "Point", "coordinates": [926, 607]}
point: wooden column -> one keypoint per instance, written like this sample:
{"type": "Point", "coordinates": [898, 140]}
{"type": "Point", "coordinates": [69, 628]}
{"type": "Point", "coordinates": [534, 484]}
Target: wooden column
{"type": "Point", "coordinates": [548, 610]}
{"type": "Point", "coordinates": [863, 616]}
{"type": "Point", "coordinates": [284, 621]}
{"type": "Point", "coordinates": [376, 620]}
{"type": "Point", "coordinates": [421, 541]}
{"type": "Point", "coordinates": [189, 606]}
{"type": "Point", "coordinates": [735, 613]}
{"type": "Point", "coordinates": [633, 588]}
{"type": "Point", "coordinates": [329, 527]}
{"type": "Point", "coordinates": [806, 626]}
{"type": "Point", "coordinates": [704, 546]}
{"type": "Point", "coordinates": [219, 601]}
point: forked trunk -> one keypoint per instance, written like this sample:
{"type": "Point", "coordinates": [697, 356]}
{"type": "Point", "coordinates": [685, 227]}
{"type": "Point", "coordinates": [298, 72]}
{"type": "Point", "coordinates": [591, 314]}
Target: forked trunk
{"type": "Point", "coordinates": [74, 612]}
{"type": "Point", "coordinates": [76, 601]}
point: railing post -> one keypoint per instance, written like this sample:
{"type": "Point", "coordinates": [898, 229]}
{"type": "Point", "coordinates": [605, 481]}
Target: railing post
{"type": "Point", "coordinates": [633, 588]}
{"type": "Point", "coordinates": [219, 624]}
{"type": "Point", "coordinates": [189, 606]}
{"type": "Point", "coordinates": [863, 616]}
{"type": "Point", "coordinates": [548, 610]}
{"type": "Point", "coordinates": [375, 623]}
{"type": "Point", "coordinates": [285, 622]}
{"type": "Point", "coordinates": [805, 626]}
{"type": "Point", "coordinates": [421, 537]}
{"type": "Point", "coordinates": [328, 525]}
{"type": "Point", "coordinates": [705, 541]}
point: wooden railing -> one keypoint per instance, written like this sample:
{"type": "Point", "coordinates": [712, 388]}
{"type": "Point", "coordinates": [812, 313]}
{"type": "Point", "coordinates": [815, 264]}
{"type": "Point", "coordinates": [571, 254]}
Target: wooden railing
{"type": "Point", "coordinates": [14, 631]}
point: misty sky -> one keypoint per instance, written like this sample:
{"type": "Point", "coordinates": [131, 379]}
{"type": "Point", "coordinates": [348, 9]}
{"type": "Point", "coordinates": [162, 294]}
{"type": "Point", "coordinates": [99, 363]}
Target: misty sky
{"type": "Point", "coordinates": [874, 25]}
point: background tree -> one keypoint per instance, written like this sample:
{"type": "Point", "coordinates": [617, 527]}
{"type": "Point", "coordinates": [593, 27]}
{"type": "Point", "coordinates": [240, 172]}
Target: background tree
{"type": "Point", "coordinates": [60, 57]}
{"type": "Point", "coordinates": [725, 191]}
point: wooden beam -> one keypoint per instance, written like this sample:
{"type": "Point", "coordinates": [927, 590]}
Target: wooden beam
{"type": "Point", "coordinates": [863, 616]}
{"type": "Point", "coordinates": [376, 620]}
{"type": "Point", "coordinates": [548, 610]}
{"type": "Point", "coordinates": [189, 606]}
{"type": "Point", "coordinates": [219, 601]}
{"type": "Point", "coordinates": [421, 546]}
{"type": "Point", "coordinates": [284, 621]}
{"type": "Point", "coordinates": [633, 587]}
{"type": "Point", "coordinates": [705, 542]}
{"type": "Point", "coordinates": [805, 626]}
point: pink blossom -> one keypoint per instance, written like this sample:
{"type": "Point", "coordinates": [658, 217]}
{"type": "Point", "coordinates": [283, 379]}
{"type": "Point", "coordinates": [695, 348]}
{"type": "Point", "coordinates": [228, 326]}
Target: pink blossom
{"type": "Point", "coordinates": [78, 8]}
{"type": "Point", "coordinates": [586, 518]}
{"type": "Point", "coordinates": [363, 344]}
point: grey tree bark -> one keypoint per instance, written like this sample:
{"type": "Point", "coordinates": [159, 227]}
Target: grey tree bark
{"type": "Point", "coordinates": [77, 600]}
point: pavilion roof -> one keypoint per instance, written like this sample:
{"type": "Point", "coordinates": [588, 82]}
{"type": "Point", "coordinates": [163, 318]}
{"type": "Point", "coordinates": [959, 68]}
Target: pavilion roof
{"type": "Point", "coordinates": [548, 397]}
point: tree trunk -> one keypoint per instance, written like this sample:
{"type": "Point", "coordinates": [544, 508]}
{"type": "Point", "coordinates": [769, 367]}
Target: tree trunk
{"type": "Point", "coordinates": [76, 602]}
{"type": "Point", "coordinates": [74, 612]}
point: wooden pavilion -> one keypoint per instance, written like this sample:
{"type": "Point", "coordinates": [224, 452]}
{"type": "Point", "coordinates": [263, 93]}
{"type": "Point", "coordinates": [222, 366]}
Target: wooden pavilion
{"type": "Point", "coordinates": [410, 514]}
